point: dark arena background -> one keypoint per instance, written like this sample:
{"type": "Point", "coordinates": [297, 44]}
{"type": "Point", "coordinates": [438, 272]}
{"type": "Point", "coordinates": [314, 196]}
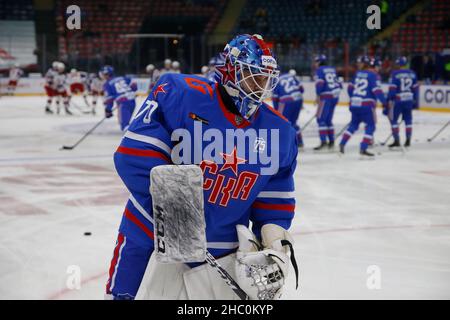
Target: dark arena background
{"type": "Point", "coordinates": [377, 229]}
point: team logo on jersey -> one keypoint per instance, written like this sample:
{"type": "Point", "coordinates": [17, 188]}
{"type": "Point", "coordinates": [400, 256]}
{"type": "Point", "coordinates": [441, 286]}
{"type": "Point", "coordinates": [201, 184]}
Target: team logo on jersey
{"type": "Point", "coordinates": [159, 89]}
{"type": "Point", "coordinates": [259, 145]}
{"type": "Point", "coordinates": [224, 188]}
{"type": "Point", "coordinates": [195, 117]}
{"type": "Point", "coordinates": [231, 161]}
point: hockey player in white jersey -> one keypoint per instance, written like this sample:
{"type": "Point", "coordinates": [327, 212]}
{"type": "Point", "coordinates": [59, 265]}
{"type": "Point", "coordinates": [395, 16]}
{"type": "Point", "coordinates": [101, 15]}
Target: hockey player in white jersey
{"type": "Point", "coordinates": [14, 75]}
{"type": "Point", "coordinates": [167, 67]}
{"type": "Point", "coordinates": [77, 81]}
{"type": "Point", "coordinates": [153, 75]}
{"type": "Point", "coordinates": [50, 88]}
{"type": "Point", "coordinates": [60, 85]}
{"type": "Point", "coordinates": [176, 67]}
{"type": "Point", "coordinates": [95, 89]}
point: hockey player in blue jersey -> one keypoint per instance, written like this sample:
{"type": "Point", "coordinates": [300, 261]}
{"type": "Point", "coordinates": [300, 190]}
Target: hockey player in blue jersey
{"type": "Point", "coordinates": [364, 91]}
{"type": "Point", "coordinates": [287, 98]}
{"type": "Point", "coordinates": [119, 90]}
{"type": "Point", "coordinates": [328, 89]}
{"type": "Point", "coordinates": [403, 93]}
{"type": "Point", "coordinates": [239, 187]}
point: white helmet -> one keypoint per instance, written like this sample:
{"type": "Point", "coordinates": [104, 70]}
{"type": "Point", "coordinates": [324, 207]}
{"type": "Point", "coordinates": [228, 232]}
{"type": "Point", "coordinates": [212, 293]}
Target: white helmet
{"type": "Point", "coordinates": [16, 65]}
{"type": "Point", "coordinates": [73, 70]}
{"type": "Point", "coordinates": [61, 66]}
{"type": "Point", "coordinates": [176, 65]}
{"type": "Point", "coordinates": [167, 63]}
{"type": "Point", "coordinates": [204, 69]}
{"type": "Point", "coordinates": [55, 64]}
{"type": "Point", "coordinates": [150, 68]}
{"type": "Point", "coordinates": [292, 72]}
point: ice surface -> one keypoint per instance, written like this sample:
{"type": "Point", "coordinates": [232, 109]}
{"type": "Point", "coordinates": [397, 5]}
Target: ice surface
{"type": "Point", "coordinates": [392, 212]}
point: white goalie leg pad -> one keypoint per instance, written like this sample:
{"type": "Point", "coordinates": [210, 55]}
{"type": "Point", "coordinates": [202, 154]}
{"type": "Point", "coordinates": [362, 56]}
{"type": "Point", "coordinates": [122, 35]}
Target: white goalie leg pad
{"type": "Point", "coordinates": [177, 281]}
{"type": "Point", "coordinates": [162, 281]}
{"type": "Point", "coordinates": [204, 283]}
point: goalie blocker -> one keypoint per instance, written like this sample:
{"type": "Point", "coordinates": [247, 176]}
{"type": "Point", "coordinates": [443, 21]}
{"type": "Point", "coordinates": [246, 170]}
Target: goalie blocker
{"type": "Point", "coordinates": [256, 271]}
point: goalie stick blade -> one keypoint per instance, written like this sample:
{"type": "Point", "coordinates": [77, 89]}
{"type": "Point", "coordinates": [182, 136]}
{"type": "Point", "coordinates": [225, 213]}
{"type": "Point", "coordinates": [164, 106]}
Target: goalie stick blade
{"type": "Point", "coordinates": [178, 212]}
{"type": "Point", "coordinates": [66, 148]}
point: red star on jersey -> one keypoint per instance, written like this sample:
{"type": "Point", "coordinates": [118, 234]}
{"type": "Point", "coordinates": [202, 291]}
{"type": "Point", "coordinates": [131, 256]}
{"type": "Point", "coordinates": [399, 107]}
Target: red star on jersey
{"type": "Point", "coordinates": [226, 72]}
{"type": "Point", "coordinates": [231, 161]}
{"type": "Point", "coordinates": [159, 89]}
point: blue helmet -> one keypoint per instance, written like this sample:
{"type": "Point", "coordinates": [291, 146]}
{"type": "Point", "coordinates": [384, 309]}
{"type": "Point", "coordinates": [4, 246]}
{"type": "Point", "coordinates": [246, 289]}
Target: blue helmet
{"type": "Point", "coordinates": [249, 72]}
{"type": "Point", "coordinates": [106, 71]}
{"type": "Point", "coordinates": [363, 59]}
{"type": "Point", "coordinates": [401, 61]}
{"type": "Point", "coordinates": [375, 62]}
{"type": "Point", "coordinates": [320, 58]}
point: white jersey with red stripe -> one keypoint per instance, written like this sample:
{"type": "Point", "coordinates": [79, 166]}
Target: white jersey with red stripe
{"type": "Point", "coordinates": [50, 77]}
{"type": "Point", "coordinates": [77, 77]}
{"type": "Point", "coordinates": [60, 82]}
{"type": "Point", "coordinates": [96, 84]}
{"type": "Point", "coordinates": [15, 74]}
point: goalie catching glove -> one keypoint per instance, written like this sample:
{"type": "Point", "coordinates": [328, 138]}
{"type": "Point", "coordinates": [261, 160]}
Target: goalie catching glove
{"type": "Point", "coordinates": [262, 269]}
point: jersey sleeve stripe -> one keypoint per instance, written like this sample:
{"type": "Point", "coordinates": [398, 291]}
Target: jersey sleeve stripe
{"type": "Point", "coordinates": [141, 210]}
{"type": "Point", "coordinates": [136, 221]}
{"type": "Point", "coordinates": [271, 206]}
{"type": "Point", "coordinates": [276, 194]}
{"type": "Point", "coordinates": [150, 140]}
{"type": "Point", "coordinates": [142, 153]}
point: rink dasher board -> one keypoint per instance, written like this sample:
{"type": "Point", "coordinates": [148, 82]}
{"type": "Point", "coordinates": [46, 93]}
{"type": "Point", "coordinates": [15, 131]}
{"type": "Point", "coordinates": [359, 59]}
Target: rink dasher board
{"type": "Point", "coordinates": [431, 97]}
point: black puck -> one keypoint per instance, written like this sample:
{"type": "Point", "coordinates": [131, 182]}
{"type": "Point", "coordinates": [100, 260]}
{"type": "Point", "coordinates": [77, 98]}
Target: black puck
{"type": "Point", "coordinates": [87, 233]}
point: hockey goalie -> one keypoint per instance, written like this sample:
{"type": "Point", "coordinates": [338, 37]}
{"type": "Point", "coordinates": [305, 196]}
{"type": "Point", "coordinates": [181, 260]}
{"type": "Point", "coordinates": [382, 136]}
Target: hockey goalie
{"type": "Point", "coordinates": [208, 216]}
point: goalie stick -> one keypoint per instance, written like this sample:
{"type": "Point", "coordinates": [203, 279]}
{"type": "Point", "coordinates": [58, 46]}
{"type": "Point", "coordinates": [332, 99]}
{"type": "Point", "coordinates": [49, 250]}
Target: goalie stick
{"type": "Point", "coordinates": [179, 220]}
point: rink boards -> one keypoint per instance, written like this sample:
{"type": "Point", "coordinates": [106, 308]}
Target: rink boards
{"type": "Point", "coordinates": [432, 97]}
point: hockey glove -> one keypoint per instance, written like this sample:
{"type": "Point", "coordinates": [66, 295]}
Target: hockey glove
{"type": "Point", "coordinates": [261, 270]}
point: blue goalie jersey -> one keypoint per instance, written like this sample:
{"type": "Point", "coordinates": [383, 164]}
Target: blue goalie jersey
{"type": "Point", "coordinates": [184, 120]}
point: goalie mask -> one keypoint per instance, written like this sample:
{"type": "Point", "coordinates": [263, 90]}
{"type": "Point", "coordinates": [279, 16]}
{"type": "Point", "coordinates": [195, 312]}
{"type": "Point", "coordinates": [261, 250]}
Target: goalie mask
{"type": "Point", "coordinates": [249, 72]}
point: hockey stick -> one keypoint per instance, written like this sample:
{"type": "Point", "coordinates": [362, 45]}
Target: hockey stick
{"type": "Point", "coordinates": [342, 130]}
{"type": "Point", "coordinates": [308, 122]}
{"type": "Point", "coordinates": [226, 277]}
{"type": "Point", "coordinates": [179, 219]}
{"type": "Point", "coordinates": [84, 136]}
{"type": "Point", "coordinates": [437, 133]}
{"type": "Point", "coordinates": [387, 139]}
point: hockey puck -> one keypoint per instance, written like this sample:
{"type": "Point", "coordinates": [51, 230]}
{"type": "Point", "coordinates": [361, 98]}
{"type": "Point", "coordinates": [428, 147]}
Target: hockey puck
{"type": "Point", "coordinates": [87, 233]}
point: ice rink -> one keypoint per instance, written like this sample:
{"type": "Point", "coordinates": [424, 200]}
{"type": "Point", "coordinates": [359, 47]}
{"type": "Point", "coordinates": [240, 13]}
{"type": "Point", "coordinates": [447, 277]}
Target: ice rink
{"type": "Point", "coordinates": [363, 229]}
